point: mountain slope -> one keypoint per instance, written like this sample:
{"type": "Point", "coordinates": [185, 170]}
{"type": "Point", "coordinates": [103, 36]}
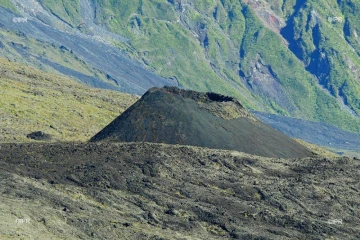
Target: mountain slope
{"type": "Point", "coordinates": [294, 58]}
{"type": "Point", "coordinates": [32, 100]}
{"type": "Point", "coordinates": [233, 42]}
{"type": "Point", "coordinates": [51, 45]}
{"type": "Point", "coordinates": [328, 47]}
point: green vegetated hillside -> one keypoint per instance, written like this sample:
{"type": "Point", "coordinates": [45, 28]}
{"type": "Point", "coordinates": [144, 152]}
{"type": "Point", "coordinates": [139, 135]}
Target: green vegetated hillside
{"type": "Point", "coordinates": [67, 11]}
{"type": "Point", "coordinates": [18, 47]}
{"type": "Point", "coordinates": [32, 100]}
{"type": "Point", "coordinates": [8, 4]}
{"type": "Point", "coordinates": [295, 58]}
{"type": "Point", "coordinates": [219, 44]}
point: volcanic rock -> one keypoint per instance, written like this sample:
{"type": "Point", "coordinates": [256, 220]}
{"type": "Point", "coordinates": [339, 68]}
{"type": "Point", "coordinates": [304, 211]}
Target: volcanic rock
{"type": "Point", "coordinates": [69, 190]}
{"type": "Point", "coordinates": [39, 135]}
{"type": "Point", "coordinates": [175, 116]}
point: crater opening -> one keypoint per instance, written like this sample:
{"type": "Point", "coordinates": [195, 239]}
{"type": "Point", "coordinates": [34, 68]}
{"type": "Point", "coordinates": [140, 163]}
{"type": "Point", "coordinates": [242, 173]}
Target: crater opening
{"type": "Point", "coordinates": [219, 98]}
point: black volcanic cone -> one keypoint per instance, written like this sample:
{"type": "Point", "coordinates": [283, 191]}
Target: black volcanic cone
{"type": "Point", "coordinates": [173, 116]}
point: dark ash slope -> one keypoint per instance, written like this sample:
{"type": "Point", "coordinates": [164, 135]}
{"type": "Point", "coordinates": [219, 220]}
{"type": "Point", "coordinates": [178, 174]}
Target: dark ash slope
{"type": "Point", "coordinates": [173, 116]}
{"type": "Point", "coordinates": [318, 133]}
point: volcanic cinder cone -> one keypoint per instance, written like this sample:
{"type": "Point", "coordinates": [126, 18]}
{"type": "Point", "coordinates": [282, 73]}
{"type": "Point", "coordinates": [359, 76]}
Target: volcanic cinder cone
{"type": "Point", "coordinates": [174, 116]}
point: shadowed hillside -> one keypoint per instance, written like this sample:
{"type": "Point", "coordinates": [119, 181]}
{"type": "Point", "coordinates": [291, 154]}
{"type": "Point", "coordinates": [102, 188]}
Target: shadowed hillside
{"type": "Point", "coordinates": [174, 116]}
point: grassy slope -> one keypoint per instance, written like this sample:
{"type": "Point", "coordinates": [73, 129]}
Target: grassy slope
{"type": "Point", "coordinates": [47, 51]}
{"type": "Point", "coordinates": [318, 150]}
{"type": "Point", "coordinates": [32, 100]}
{"type": "Point", "coordinates": [67, 11]}
{"type": "Point", "coordinates": [166, 45]}
{"type": "Point", "coordinates": [8, 4]}
{"type": "Point", "coordinates": [164, 40]}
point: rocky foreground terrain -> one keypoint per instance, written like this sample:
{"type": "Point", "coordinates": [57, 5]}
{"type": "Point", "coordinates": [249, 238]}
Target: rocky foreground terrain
{"type": "Point", "coordinates": [157, 191]}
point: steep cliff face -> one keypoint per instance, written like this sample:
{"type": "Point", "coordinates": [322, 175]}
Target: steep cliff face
{"type": "Point", "coordinates": [295, 58]}
{"type": "Point", "coordinates": [326, 41]}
